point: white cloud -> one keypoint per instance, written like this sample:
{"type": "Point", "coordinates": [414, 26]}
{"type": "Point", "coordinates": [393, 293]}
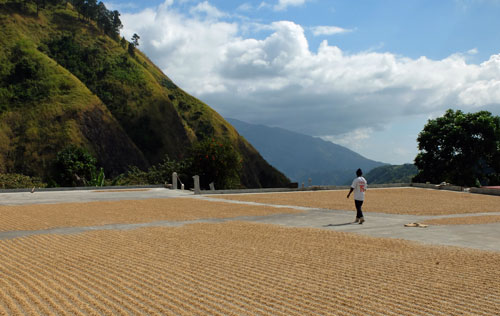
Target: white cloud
{"type": "Point", "coordinates": [284, 4]}
{"type": "Point", "coordinates": [264, 5]}
{"type": "Point", "coordinates": [279, 81]}
{"type": "Point", "coordinates": [120, 6]}
{"type": "Point", "coordinates": [205, 8]}
{"type": "Point", "coordinates": [328, 30]}
{"type": "Point", "coordinates": [245, 7]}
{"type": "Point", "coordinates": [473, 51]}
{"type": "Point", "coordinates": [353, 139]}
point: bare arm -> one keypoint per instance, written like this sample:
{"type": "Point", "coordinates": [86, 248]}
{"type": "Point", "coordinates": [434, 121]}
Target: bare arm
{"type": "Point", "coordinates": [349, 194]}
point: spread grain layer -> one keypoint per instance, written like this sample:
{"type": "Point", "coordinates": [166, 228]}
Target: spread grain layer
{"type": "Point", "coordinates": [410, 201]}
{"type": "Point", "coordinates": [237, 268]}
{"type": "Point", "coordinates": [45, 216]}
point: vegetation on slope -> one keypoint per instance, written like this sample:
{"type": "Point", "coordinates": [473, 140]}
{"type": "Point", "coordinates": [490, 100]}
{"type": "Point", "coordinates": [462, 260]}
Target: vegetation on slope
{"type": "Point", "coordinates": [66, 81]}
{"type": "Point", "coordinates": [392, 174]}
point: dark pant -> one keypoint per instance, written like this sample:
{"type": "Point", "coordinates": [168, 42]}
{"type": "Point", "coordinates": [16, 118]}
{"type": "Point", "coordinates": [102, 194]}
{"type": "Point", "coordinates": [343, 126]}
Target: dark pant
{"type": "Point", "coordinates": [359, 212]}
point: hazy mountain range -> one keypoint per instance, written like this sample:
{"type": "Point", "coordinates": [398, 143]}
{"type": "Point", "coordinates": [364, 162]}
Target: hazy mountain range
{"type": "Point", "coordinates": [302, 157]}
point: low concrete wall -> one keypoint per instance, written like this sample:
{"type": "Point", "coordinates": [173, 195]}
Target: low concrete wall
{"type": "Point", "coordinates": [438, 187]}
{"type": "Point", "coordinates": [83, 188]}
{"type": "Point", "coordinates": [274, 190]}
{"type": "Point", "coordinates": [346, 187]}
{"type": "Point", "coordinates": [311, 188]}
{"type": "Point", "coordinates": [485, 191]}
{"type": "Point", "coordinates": [389, 185]}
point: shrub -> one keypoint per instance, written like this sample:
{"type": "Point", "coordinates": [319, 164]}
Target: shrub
{"type": "Point", "coordinates": [19, 181]}
{"type": "Point", "coordinates": [157, 174]}
{"type": "Point", "coordinates": [215, 161]}
{"type": "Point", "coordinates": [74, 166]}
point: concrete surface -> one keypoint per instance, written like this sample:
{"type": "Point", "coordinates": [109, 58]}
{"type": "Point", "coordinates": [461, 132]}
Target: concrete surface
{"type": "Point", "coordinates": [484, 236]}
{"type": "Point", "coordinates": [478, 236]}
{"type": "Point", "coordinates": [65, 196]}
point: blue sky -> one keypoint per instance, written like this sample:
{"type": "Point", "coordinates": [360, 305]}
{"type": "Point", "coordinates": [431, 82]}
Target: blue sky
{"type": "Point", "coordinates": [365, 74]}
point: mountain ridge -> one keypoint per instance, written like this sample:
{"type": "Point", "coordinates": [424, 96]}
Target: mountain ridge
{"type": "Point", "coordinates": [302, 157]}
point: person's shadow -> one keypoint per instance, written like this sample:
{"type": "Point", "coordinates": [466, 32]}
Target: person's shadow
{"type": "Point", "coordinates": [343, 224]}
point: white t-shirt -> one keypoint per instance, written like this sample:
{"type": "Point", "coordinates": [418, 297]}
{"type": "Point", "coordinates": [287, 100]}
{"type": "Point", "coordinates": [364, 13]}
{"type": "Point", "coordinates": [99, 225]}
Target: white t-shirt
{"type": "Point", "coordinates": [359, 185]}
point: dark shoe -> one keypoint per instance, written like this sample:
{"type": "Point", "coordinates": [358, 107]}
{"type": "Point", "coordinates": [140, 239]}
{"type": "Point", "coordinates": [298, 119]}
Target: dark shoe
{"type": "Point", "coordinates": [361, 220]}
{"type": "Point", "coordinates": [356, 220]}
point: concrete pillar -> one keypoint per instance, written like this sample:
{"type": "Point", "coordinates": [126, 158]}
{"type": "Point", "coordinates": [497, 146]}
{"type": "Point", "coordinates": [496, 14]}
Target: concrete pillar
{"type": "Point", "coordinates": [197, 185]}
{"type": "Point", "coordinates": [212, 186]}
{"type": "Point", "coordinates": [174, 180]}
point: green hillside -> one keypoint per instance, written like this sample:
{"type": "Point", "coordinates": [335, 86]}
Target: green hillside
{"type": "Point", "coordinates": [68, 80]}
{"type": "Point", "coordinates": [392, 174]}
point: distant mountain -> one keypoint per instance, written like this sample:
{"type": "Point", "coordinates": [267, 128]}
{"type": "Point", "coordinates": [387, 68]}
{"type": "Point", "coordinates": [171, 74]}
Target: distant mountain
{"type": "Point", "coordinates": [302, 157]}
{"type": "Point", "coordinates": [392, 174]}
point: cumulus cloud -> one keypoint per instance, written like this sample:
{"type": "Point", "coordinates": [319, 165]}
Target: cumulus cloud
{"type": "Point", "coordinates": [121, 6]}
{"type": "Point", "coordinates": [356, 137]}
{"type": "Point", "coordinates": [278, 80]}
{"type": "Point", "coordinates": [284, 4]}
{"type": "Point", "coordinates": [245, 7]}
{"type": "Point", "coordinates": [472, 51]}
{"type": "Point", "coordinates": [205, 8]}
{"type": "Point", "coordinates": [328, 30]}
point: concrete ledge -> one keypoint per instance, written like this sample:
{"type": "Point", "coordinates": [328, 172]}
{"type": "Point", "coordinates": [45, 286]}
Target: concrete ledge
{"type": "Point", "coordinates": [311, 188]}
{"type": "Point", "coordinates": [83, 188]}
{"type": "Point", "coordinates": [270, 190]}
{"type": "Point", "coordinates": [485, 191]}
{"type": "Point", "coordinates": [438, 187]}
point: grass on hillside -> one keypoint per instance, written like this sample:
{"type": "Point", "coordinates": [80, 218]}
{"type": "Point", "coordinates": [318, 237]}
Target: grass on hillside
{"type": "Point", "coordinates": [72, 67]}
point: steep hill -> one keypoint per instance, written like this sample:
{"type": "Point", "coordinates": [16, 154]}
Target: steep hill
{"type": "Point", "coordinates": [392, 174]}
{"type": "Point", "coordinates": [302, 157]}
{"type": "Point", "coordinates": [66, 81]}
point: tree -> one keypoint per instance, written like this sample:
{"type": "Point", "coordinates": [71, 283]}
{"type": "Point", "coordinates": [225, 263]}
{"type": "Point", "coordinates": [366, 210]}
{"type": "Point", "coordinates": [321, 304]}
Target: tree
{"type": "Point", "coordinates": [133, 45]}
{"type": "Point", "coordinates": [75, 166]}
{"type": "Point", "coordinates": [215, 161]}
{"type": "Point", "coordinates": [117, 25]}
{"type": "Point", "coordinates": [460, 148]}
{"type": "Point", "coordinates": [79, 6]}
{"type": "Point", "coordinates": [91, 9]}
{"type": "Point", "coordinates": [102, 16]}
{"type": "Point", "coordinates": [135, 39]}
{"type": "Point", "coordinates": [26, 80]}
{"type": "Point", "coordinates": [123, 42]}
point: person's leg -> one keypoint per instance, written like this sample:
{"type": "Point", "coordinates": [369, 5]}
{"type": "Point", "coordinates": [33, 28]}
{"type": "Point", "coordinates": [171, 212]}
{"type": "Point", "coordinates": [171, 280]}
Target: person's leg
{"type": "Point", "coordinates": [359, 212]}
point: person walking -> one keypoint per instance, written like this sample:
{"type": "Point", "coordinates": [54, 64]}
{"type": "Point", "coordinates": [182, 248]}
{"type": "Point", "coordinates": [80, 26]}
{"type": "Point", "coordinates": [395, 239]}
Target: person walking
{"type": "Point", "coordinates": [359, 186]}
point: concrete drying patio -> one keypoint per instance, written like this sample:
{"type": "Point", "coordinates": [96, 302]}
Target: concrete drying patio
{"type": "Point", "coordinates": [478, 236]}
{"type": "Point", "coordinates": [163, 252]}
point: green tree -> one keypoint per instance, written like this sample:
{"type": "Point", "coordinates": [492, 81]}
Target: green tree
{"type": "Point", "coordinates": [133, 44]}
{"type": "Point", "coordinates": [26, 81]}
{"type": "Point", "coordinates": [75, 166]}
{"type": "Point", "coordinates": [460, 148]}
{"type": "Point", "coordinates": [79, 5]}
{"type": "Point", "coordinates": [216, 161]}
{"type": "Point", "coordinates": [135, 39]}
{"type": "Point", "coordinates": [117, 25]}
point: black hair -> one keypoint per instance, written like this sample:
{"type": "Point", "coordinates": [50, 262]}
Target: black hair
{"type": "Point", "coordinates": [359, 173]}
